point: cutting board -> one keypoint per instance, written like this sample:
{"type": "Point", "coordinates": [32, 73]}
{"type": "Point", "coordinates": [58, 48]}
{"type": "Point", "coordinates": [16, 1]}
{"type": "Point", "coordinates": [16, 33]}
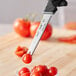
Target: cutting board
{"type": "Point", "coordinates": [50, 53]}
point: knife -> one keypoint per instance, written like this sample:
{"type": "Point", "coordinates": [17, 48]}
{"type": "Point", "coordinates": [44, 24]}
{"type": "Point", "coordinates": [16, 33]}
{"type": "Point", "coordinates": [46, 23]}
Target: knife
{"type": "Point", "coordinates": [49, 11]}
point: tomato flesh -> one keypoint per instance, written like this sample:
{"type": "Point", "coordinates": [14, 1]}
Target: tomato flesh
{"type": "Point", "coordinates": [20, 51]}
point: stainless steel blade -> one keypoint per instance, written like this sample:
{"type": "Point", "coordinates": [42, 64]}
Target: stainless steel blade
{"type": "Point", "coordinates": [46, 17]}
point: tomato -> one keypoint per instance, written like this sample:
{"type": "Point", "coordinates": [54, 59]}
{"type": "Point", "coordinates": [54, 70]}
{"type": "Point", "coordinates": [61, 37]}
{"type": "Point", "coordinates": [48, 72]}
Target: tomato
{"type": "Point", "coordinates": [27, 58]}
{"type": "Point", "coordinates": [53, 70]}
{"type": "Point", "coordinates": [22, 27]}
{"type": "Point", "coordinates": [47, 33]}
{"type": "Point", "coordinates": [40, 68]}
{"type": "Point", "coordinates": [23, 70]}
{"type": "Point", "coordinates": [36, 74]}
{"type": "Point", "coordinates": [47, 73]}
{"type": "Point", "coordinates": [64, 39]}
{"type": "Point", "coordinates": [70, 39]}
{"type": "Point", "coordinates": [70, 26]}
{"type": "Point", "coordinates": [26, 74]}
{"type": "Point", "coordinates": [20, 51]}
{"type": "Point", "coordinates": [73, 42]}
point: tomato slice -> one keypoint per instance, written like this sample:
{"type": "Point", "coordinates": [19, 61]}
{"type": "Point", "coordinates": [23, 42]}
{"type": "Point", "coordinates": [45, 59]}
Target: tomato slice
{"type": "Point", "coordinates": [20, 51]}
{"type": "Point", "coordinates": [73, 42]}
{"type": "Point", "coordinates": [70, 39]}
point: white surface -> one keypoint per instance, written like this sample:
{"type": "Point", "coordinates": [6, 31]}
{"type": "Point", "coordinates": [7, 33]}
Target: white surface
{"type": "Point", "coordinates": [5, 28]}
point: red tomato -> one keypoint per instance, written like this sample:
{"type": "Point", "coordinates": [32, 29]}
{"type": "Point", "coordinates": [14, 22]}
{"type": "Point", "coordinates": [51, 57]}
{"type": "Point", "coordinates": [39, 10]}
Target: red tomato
{"type": "Point", "coordinates": [70, 39]}
{"type": "Point", "coordinates": [64, 39]}
{"type": "Point", "coordinates": [70, 26]}
{"type": "Point", "coordinates": [73, 42]}
{"type": "Point", "coordinates": [40, 68]}
{"type": "Point", "coordinates": [23, 70]}
{"type": "Point", "coordinates": [53, 70]}
{"type": "Point", "coordinates": [36, 74]}
{"type": "Point", "coordinates": [26, 74]}
{"type": "Point", "coordinates": [33, 70]}
{"type": "Point", "coordinates": [27, 58]}
{"type": "Point", "coordinates": [21, 51]}
{"type": "Point", "coordinates": [22, 27]}
{"type": "Point", "coordinates": [47, 73]}
{"type": "Point", "coordinates": [47, 33]}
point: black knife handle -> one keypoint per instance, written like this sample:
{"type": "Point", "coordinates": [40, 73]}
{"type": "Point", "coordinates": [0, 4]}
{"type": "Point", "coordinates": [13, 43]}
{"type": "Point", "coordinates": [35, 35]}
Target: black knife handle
{"type": "Point", "coordinates": [50, 7]}
{"type": "Point", "coordinates": [53, 4]}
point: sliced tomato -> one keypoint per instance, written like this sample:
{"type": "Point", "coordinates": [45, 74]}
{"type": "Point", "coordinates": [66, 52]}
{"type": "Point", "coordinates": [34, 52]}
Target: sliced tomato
{"type": "Point", "coordinates": [20, 51]}
{"type": "Point", "coordinates": [73, 42]}
{"type": "Point", "coordinates": [70, 39]}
